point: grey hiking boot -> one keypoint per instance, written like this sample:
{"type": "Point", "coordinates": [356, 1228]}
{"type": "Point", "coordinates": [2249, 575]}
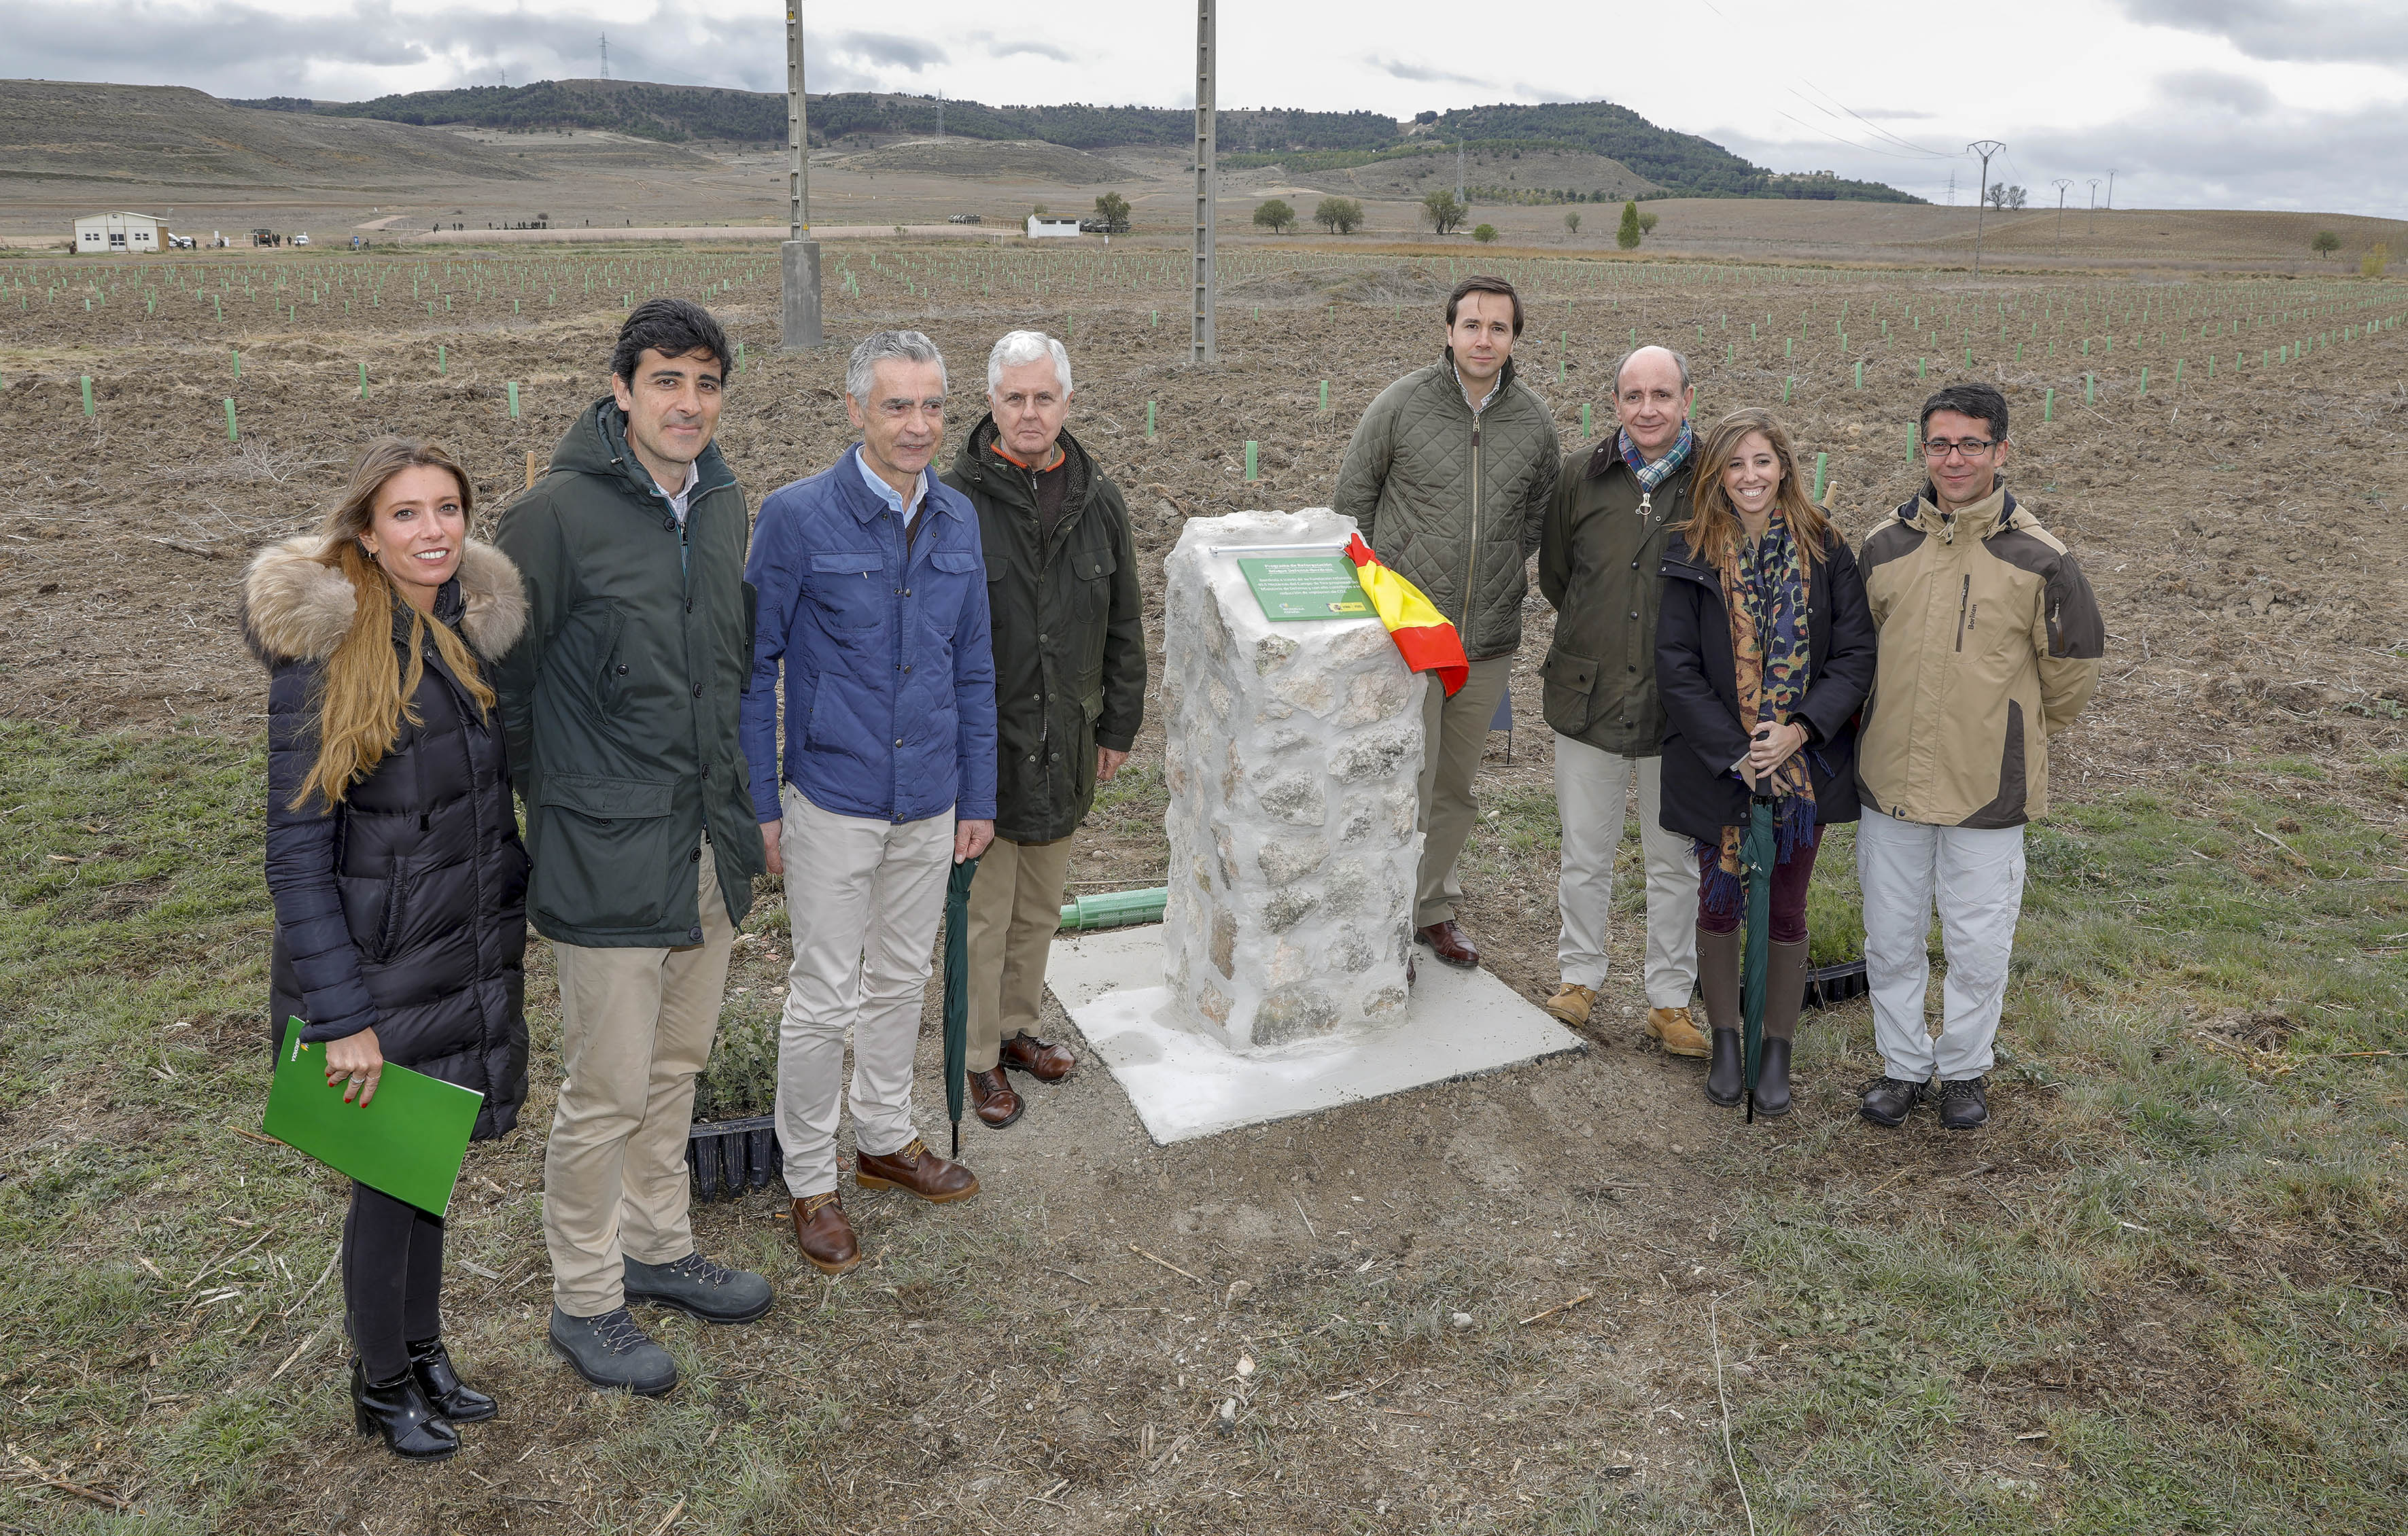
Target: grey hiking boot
{"type": "Point", "coordinates": [699, 1289]}
{"type": "Point", "coordinates": [612, 1353]}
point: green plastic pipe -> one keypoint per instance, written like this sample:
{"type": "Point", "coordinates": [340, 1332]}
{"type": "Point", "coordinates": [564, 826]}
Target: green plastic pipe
{"type": "Point", "coordinates": [1113, 909]}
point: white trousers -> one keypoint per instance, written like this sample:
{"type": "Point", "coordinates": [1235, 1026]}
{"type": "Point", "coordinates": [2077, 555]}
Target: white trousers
{"type": "Point", "coordinates": [1591, 786]}
{"type": "Point", "coordinates": [1976, 880]}
{"type": "Point", "coordinates": [864, 900]}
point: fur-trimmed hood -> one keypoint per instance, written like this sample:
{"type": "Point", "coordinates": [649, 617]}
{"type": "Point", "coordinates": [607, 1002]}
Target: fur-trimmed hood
{"type": "Point", "coordinates": [294, 608]}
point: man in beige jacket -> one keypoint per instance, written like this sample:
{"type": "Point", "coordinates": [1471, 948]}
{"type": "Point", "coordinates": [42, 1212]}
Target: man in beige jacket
{"type": "Point", "coordinates": [1990, 643]}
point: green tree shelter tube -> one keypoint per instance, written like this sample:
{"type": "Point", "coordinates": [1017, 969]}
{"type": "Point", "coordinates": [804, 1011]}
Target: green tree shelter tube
{"type": "Point", "coordinates": [1113, 909]}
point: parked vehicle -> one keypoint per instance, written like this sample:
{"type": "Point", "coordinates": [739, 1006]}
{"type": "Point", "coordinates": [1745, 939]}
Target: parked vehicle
{"type": "Point", "coordinates": [964, 219]}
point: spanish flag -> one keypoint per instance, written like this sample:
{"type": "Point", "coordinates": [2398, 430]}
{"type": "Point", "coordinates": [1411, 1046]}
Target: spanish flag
{"type": "Point", "coordinates": [1424, 637]}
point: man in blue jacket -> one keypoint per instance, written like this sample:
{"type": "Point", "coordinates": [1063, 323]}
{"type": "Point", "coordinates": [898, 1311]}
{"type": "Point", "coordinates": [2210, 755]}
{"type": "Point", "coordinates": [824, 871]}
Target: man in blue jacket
{"type": "Point", "coordinates": [872, 594]}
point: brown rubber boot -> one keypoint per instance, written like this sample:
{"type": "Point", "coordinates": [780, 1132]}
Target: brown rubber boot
{"type": "Point", "coordinates": [1718, 976]}
{"type": "Point", "coordinates": [1784, 993]}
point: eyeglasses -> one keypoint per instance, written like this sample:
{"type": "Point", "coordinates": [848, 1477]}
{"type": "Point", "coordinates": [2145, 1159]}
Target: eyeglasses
{"type": "Point", "coordinates": [1973, 448]}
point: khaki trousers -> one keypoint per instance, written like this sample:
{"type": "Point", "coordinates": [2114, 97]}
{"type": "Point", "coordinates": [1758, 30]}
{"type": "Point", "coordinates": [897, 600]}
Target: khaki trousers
{"type": "Point", "coordinates": [864, 898]}
{"type": "Point", "coordinates": [1455, 734]}
{"type": "Point", "coordinates": [1015, 906]}
{"type": "Point", "coordinates": [635, 1031]}
{"type": "Point", "coordinates": [1592, 794]}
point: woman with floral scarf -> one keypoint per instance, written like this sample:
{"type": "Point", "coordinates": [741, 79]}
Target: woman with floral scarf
{"type": "Point", "coordinates": [1764, 652]}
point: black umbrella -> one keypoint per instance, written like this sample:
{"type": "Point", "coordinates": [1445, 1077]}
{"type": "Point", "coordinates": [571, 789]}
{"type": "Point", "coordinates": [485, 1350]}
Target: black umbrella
{"type": "Point", "coordinates": [957, 991]}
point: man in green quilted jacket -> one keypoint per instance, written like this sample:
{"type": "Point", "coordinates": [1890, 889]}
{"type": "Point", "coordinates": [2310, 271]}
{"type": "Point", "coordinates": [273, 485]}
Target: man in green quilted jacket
{"type": "Point", "coordinates": [1448, 478]}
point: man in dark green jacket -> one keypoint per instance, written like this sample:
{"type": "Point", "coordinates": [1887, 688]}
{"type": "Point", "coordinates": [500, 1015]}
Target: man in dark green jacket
{"type": "Point", "coordinates": [1598, 558]}
{"type": "Point", "coordinates": [619, 707]}
{"type": "Point", "coordinates": [1448, 477]}
{"type": "Point", "coordinates": [1070, 682]}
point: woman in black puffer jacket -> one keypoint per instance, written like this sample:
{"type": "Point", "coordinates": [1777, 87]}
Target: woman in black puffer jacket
{"type": "Point", "coordinates": [393, 859]}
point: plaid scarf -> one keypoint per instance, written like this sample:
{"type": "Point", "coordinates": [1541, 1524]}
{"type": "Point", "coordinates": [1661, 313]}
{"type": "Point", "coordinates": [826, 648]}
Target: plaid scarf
{"type": "Point", "coordinates": [1652, 475]}
{"type": "Point", "coordinates": [1764, 591]}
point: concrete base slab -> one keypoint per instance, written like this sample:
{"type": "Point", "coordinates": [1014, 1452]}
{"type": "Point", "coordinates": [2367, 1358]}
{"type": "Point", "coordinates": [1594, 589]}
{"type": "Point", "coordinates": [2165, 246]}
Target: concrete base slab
{"type": "Point", "coordinates": [1184, 1085]}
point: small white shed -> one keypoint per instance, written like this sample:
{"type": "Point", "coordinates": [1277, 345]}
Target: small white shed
{"type": "Point", "coordinates": [1046, 227]}
{"type": "Point", "coordinates": [119, 235]}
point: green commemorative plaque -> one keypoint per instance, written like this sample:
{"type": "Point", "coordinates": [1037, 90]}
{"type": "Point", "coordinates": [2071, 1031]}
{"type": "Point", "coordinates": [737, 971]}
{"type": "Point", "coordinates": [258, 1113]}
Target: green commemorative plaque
{"type": "Point", "coordinates": [1306, 586]}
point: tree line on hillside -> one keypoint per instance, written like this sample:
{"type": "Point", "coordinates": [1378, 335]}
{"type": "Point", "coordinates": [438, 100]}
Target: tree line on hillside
{"type": "Point", "coordinates": [1683, 165]}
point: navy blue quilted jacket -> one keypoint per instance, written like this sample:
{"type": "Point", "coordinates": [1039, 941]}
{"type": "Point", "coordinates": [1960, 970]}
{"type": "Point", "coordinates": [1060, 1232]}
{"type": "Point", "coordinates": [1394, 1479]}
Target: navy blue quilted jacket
{"type": "Point", "coordinates": [402, 908]}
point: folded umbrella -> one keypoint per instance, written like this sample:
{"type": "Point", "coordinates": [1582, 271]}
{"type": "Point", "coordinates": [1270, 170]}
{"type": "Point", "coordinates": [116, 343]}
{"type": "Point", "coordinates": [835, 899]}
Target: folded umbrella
{"type": "Point", "coordinates": [1758, 849]}
{"type": "Point", "coordinates": [957, 992]}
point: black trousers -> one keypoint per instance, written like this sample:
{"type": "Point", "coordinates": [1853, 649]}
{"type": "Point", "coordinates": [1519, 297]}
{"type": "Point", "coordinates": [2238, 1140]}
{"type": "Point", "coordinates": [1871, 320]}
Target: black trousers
{"type": "Point", "coordinates": [393, 1280]}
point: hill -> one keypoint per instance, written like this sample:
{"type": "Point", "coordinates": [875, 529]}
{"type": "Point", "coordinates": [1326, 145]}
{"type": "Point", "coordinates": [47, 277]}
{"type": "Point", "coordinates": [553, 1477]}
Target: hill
{"type": "Point", "coordinates": [165, 133]}
{"type": "Point", "coordinates": [1684, 163]}
{"type": "Point", "coordinates": [1493, 172]}
{"type": "Point", "coordinates": [989, 160]}
{"type": "Point", "coordinates": [1674, 163]}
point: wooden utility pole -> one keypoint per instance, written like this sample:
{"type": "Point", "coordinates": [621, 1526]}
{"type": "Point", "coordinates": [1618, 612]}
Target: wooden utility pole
{"type": "Point", "coordinates": [1203, 338]}
{"type": "Point", "coordinates": [799, 257]}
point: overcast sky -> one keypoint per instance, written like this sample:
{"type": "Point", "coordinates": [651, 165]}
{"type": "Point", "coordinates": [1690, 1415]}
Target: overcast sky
{"type": "Point", "coordinates": [2275, 104]}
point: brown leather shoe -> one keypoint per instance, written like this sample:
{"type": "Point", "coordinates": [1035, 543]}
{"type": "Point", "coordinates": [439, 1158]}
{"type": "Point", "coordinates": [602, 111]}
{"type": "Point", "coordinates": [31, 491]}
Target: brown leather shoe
{"type": "Point", "coordinates": [918, 1170]}
{"type": "Point", "coordinates": [1452, 943]}
{"type": "Point", "coordinates": [824, 1234]}
{"type": "Point", "coordinates": [1042, 1060]}
{"type": "Point", "coordinates": [992, 1098]}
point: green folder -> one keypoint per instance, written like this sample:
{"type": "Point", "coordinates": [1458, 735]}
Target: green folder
{"type": "Point", "coordinates": [406, 1142]}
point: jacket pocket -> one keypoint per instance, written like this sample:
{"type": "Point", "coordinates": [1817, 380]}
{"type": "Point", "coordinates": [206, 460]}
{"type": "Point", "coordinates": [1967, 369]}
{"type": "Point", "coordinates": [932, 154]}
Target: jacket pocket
{"type": "Point", "coordinates": [1093, 570]}
{"type": "Point", "coordinates": [607, 853]}
{"type": "Point", "coordinates": [1571, 690]}
{"type": "Point", "coordinates": [610, 678]}
{"type": "Point", "coordinates": [397, 902]}
{"type": "Point", "coordinates": [848, 590]}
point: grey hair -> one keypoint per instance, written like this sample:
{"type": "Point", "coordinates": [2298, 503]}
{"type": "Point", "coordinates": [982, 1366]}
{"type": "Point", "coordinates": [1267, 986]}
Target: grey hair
{"type": "Point", "coordinates": [1022, 347]}
{"type": "Point", "coordinates": [860, 370]}
{"type": "Point", "coordinates": [1624, 362]}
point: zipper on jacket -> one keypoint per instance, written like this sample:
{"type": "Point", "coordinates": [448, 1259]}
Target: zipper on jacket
{"type": "Point", "coordinates": [1044, 684]}
{"type": "Point", "coordinates": [1472, 555]}
{"type": "Point", "coordinates": [1964, 599]}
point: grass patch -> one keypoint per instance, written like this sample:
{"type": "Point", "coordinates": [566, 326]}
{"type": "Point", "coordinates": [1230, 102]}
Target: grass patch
{"type": "Point", "coordinates": [2188, 1319]}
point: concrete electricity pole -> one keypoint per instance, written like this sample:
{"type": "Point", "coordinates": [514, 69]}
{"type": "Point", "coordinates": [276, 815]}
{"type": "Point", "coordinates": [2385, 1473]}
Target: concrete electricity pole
{"type": "Point", "coordinates": [799, 257]}
{"type": "Point", "coordinates": [1986, 148]}
{"type": "Point", "coordinates": [2094, 207]}
{"type": "Point", "coordinates": [2111, 189]}
{"type": "Point", "coordinates": [2062, 183]}
{"type": "Point", "coordinates": [1203, 336]}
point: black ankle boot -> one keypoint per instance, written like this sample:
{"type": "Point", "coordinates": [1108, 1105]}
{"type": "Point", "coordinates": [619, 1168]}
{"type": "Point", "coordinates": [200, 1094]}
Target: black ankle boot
{"type": "Point", "coordinates": [1772, 1078]}
{"type": "Point", "coordinates": [1723, 1075]}
{"type": "Point", "coordinates": [400, 1412]}
{"type": "Point", "coordinates": [431, 1363]}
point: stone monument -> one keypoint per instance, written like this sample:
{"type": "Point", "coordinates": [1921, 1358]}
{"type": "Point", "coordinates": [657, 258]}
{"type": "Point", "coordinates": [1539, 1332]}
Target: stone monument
{"type": "Point", "coordinates": [1294, 753]}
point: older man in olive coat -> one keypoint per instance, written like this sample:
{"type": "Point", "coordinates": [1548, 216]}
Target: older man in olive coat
{"type": "Point", "coordinates": [1070, 678]}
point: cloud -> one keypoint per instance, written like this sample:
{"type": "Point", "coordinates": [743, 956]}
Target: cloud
{"type": "Point", "coordinates": [2217, 89]}
{"type": "Point", "coordinates": [1042, 50]}
{"type": "Point", "coordinates": [1891, 114]}
{"type": "Point", "coordinates": [1422, 74]}
{"type": "Point", "coordinates": [879, 47]}
{"type": "Point", "coordinates": [2332, 31]}
{"type": "Point", "coordinates": [364, 49]}
{"type": "Point", "coordinates": [2200, 138]}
